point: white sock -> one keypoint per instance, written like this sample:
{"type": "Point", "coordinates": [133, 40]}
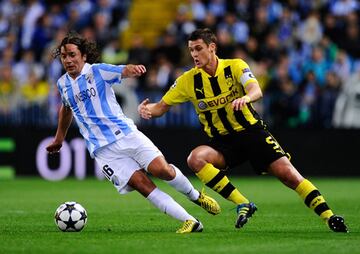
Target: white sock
{"type": "Point", "coordinates": [168, 205]}
{"type": "Point", "coordinates": [183, 185]}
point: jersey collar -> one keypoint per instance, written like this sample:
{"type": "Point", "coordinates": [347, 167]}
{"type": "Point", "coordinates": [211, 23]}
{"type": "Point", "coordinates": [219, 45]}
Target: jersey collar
{"type": "Point", "coordinates": [219, 68]}
{"type": "Point", "coordinates": [85, 70]}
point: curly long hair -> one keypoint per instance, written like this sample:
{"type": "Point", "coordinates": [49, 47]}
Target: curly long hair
{"type": "Point", "coordinates": [85, 46]}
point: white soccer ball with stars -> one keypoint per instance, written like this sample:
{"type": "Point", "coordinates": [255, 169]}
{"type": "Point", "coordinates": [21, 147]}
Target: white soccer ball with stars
{"type": "Point", "coordinates": [70, 217]}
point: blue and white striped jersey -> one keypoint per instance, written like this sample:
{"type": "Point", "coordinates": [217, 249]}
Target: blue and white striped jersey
{"type": "Point", "coordinates": [99, 116]}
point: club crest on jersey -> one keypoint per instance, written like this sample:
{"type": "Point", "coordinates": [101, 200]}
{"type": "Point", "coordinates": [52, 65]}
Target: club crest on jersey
{"type": "Point", "coordinates": [89, 77]}
{"type": "Point", "coordinates": [229, 81]}
{"type": "Point", "coordinates": [202, 105]}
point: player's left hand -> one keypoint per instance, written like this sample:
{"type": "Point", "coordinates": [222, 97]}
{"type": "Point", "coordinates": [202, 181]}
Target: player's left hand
{"type": "Point", "coordinates": [239, 103]}
{"type": "Point", "coordinates": [54, 147]}
{"type": "Point", "coordinates": [132, 70]}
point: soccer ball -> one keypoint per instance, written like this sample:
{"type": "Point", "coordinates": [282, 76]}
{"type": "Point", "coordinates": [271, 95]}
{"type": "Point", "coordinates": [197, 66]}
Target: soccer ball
{"type": "Point", "coordinates": [70, 217]}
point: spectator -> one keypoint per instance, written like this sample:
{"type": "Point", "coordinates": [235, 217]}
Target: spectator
{"type": "Point", "coordinates": [217, 8]}
{"type": "Point", "coordinates": [271, 49]}
{"type": "Point", "coordinates": [308, 92]}
{"type": "Point", "coordinates": [327, 99]}
{"type": "Point", "coordinates": [318, 65]}
{"type": "Point", "coordinates": [286, 27]}
{"type": "Point", "coordinates": [34, 94]}
{"type": "Point", "coordinates": [333, 28]}
{"type": "Point", "coordinates": [210, 21]}
{"type": "Point", "coordinates": [347, 107]}
{"type": "Point", "coordinates": [198, 11]}
{"type": "Point", "coordinates": [310, 30]}
{"type": "Point", "coordinates": [103, 33]}
{"type": "Point", "coordinates": [242, 9]}
{"type": "Point", "coordinates": [343, 7]}
{"type": "Point", "coordinates": [238, 29]}
{"type": "Point", "coordinates": [113, 53]}
{"type": "Point", "coordinates": [260, 26]}
{"type": "Point", "coordinates": [138, 53]}
{"type": "Point", "coordinates": [351, 41]}
{"type": "Point", "coordinates": [43, 34]}
{"type": "Point", "coordinates": [225, 46]}
{"type": "Point", "coordinates": [27, 65]}
{"type": "Point", "coordinates": [284, 106]}
{"type": "Point", "coordinates": [8, 94]}
{"type": "Point", "coordinates": [168, 48]}
{"type": "Point", "coordinates": [342, 65]}
{"type": "Point", "coordinates": [34, 11]}
{"type": "Point", "coordinates": [182, 26]}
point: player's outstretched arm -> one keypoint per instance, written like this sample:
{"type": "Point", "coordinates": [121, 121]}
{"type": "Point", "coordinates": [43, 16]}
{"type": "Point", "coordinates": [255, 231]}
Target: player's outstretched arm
{"type": "Point", "coordinates": [148, 110]}
{"type": "Point", "coordinates": [65, 118]}
{"type": "Point", "coordinates": [132, 70]}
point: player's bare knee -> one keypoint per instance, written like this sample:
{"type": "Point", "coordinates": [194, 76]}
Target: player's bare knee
{"type": "Point", "coordinates": [166, 173]}
{"type": "Point", "coordinates": [195, 163]}
{"type": "Point", "coordinates": [170, 172]}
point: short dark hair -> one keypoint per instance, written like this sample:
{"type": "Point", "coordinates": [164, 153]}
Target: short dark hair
{"type": "Point", "coordinates": [205, 34]}
{"type": "Point", "coordinates": [85, 46]}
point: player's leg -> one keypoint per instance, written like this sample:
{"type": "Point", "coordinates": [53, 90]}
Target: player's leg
{"type": "Point", "coordinates": [143, 184]}
{"type": "Point", "coordinates": [151, 159]}
{"type": "Point", "coordinates": [159, 168]}
{"type": "Point", "coordinates": [123, 171]}
{"type": "Point", "coordinates": [288, 175]}
{"type": "Point", "coordinates": [205, 162]}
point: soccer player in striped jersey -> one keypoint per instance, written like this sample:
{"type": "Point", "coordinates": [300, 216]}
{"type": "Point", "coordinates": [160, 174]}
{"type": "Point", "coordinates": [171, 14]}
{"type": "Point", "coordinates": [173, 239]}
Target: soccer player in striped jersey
{"type": "Point", "coordinates": [120, 149]}
{"type": "Point", "coordinates": [221, 91]}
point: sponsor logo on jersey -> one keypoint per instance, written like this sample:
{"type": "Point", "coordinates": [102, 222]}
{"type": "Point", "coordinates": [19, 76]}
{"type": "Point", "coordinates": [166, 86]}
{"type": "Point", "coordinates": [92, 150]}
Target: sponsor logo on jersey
{"type": "Point", "coordinates": [85, 94]}
{"type": "Point", "coordinates": [219, 101]}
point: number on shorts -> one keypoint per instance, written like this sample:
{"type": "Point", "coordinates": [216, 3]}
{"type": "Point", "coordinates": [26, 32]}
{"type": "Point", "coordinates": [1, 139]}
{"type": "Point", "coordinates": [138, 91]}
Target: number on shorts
{"type": "Point", "coordinates": [108, 172]}
{"type": "Point", "coordinates": [271, 141]}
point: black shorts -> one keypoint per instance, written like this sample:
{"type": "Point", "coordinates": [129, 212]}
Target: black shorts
{"type": "Point", "coordinates": [256, 145]}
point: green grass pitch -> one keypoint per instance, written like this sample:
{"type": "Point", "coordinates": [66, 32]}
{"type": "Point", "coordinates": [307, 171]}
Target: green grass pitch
{"type": "Point", "coordinates": [129, 224]}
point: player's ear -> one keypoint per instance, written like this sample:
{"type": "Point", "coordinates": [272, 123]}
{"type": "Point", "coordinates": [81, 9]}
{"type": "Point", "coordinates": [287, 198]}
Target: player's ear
{"type": "Point", "coordinates": [212, 47]}
{"type": "Point", "coordinates": [84, 57]}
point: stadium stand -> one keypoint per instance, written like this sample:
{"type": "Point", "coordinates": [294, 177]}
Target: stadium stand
{"type": "Point", "coordinates": [304, 53]}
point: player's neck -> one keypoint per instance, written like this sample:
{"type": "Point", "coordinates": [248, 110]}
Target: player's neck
{"type": "Point", "coordinates": [211, 67]}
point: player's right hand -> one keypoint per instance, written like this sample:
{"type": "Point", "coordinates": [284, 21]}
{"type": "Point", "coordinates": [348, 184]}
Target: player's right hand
{"type": "Point", "coordinates": [54, 147]}
{"type": "Point", "coordinates": [143, 109]}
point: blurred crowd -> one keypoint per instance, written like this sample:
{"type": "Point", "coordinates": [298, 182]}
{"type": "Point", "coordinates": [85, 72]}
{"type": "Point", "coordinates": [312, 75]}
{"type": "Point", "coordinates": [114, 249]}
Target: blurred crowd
{"type": "Point", "coordinates": [305, 54]}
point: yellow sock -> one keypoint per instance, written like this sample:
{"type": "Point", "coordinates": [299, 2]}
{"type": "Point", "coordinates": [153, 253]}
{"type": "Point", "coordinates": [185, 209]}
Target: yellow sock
{"type": "Point", "coordinates": [313, 199]}
{"type": "Point", "coordinates": [218, 181]}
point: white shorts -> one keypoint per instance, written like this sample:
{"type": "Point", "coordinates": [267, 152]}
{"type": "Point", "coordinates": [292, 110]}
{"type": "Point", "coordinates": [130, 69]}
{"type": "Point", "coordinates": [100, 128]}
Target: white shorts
{"type": "Point", "coordinates": [122, 158]}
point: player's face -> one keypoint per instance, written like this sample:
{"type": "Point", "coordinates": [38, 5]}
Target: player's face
{"type": "Point", "coordinates": [72, 60]}
{"type": "Point", "coordinates": [201, 53]}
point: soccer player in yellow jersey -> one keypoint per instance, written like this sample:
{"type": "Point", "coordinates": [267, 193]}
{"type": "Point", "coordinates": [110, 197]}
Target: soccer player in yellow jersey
{"type": "Point", "coordinates": [222, 91]}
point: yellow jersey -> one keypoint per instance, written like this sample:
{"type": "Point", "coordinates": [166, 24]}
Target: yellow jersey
{"type": "Point", "coordinates": [212, 96]}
